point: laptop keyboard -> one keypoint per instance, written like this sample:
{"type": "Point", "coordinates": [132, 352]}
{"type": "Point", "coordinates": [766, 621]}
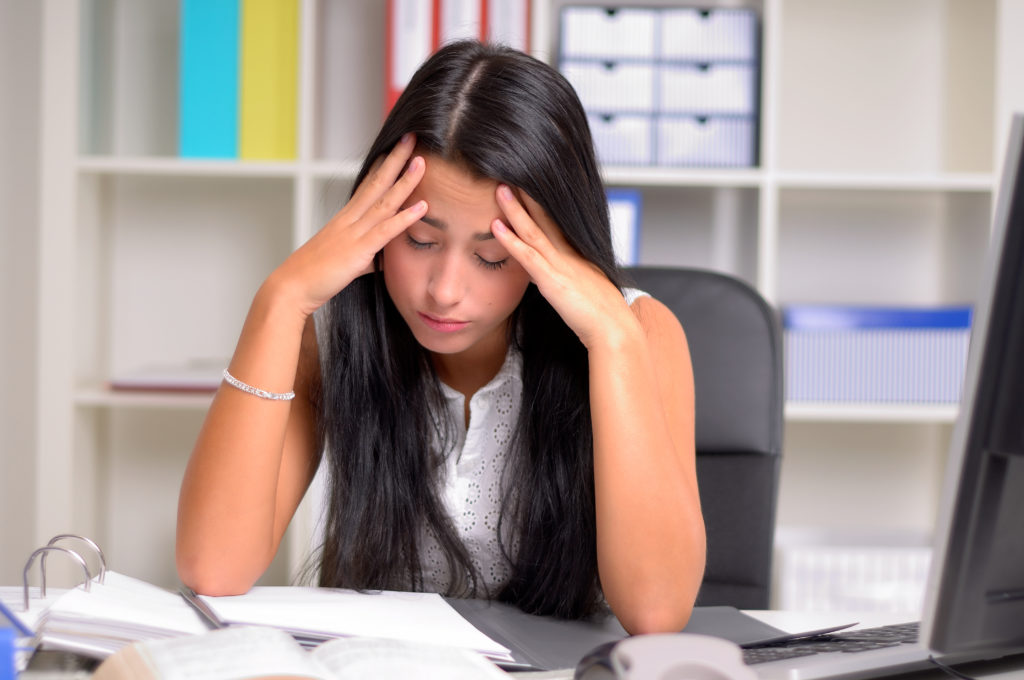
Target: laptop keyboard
{"type": "Point", "coordinates": [849, 642]}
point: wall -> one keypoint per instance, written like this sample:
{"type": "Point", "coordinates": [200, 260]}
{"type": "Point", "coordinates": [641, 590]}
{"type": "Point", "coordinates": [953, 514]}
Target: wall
{"type": "Point", "coordinates": [20, 31]}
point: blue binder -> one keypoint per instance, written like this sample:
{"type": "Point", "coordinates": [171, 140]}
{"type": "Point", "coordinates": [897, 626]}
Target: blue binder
{"type": "Point", "coordinates": [208, 93]}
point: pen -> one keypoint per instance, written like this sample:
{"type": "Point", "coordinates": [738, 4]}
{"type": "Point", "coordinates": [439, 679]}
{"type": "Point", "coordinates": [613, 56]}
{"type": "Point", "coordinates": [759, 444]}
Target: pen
{"type": "Point", "coordinates": [209, 618]}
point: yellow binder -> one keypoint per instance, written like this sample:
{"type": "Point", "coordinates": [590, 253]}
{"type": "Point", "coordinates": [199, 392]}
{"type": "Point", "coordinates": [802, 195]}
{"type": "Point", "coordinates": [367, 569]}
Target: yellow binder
{"type": "Point", "coordinates": [269, 72]}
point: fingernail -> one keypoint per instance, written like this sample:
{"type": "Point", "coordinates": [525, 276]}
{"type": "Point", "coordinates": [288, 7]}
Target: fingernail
{"type": "Point", "coordinates": [498, 225]}
{"type": "Point", "coordinates": [415, 163]}
{"type": "Point", "coordinates": [406, 137]}
{"type": "Point", "coordinates": [421, 206]}
{"type": "Point", "coordinates": [505, 192]}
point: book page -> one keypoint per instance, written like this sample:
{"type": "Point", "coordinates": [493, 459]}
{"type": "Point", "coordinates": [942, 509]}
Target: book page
{"type": "Point", "coordinates": [229, 654]}
{"type": "Point", "coordinates": [382, 659]}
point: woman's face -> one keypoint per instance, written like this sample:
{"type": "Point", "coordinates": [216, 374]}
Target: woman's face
{"type": "Point", "coordinates": [451, 281]}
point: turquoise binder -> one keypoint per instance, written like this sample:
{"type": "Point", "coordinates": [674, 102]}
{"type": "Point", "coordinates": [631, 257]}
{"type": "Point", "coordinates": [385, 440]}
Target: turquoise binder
{"type": "Point", "coordinates": [208, 77]}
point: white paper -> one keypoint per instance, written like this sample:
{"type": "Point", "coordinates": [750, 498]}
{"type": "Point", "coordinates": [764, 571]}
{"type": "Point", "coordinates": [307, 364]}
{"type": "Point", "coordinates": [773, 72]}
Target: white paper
{"type": "Point", "coordinates": [360, 658]}
{"type": "Point", "coordinates": [416, 617]}
{"type": "Point", "coordinates": [113, 614]}
{"type": "Point", "coordinates": [231, 653]}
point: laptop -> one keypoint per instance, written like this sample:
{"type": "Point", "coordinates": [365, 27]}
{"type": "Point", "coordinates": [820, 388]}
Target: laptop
{"type": "Point", "coordinates": [974, 600]}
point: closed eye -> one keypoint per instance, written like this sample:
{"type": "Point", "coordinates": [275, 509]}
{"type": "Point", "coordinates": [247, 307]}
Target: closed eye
{"type": "Point", "coordinates": [418, 245]}
{"type": "Point", "coordinates": [487, 264]}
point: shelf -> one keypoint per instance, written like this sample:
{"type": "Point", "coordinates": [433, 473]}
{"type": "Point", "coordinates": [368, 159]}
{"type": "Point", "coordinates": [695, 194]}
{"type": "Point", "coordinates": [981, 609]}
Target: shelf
{"type": "Point", "coordinates": [871, 413]}
{"type": "Point", "coordinates": [674, 177]}
{"type": "Point", "coordinates": [102, 397]}
{"type": "Point", "coordinates": [954, 182]}
{"type": "Point", "coordinates": [868, 191]}
{"type": "Point", "coordinates": [155, 165]}
{"type": "Point", "coordinates": [346, 170]}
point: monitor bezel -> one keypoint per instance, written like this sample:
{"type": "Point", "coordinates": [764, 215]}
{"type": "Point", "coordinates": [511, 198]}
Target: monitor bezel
{"type": "Point", "coordinates": [959, 496]}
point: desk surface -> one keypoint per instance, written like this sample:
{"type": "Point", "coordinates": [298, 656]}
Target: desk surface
{"type": "Point", "coordinates": [59, 666]}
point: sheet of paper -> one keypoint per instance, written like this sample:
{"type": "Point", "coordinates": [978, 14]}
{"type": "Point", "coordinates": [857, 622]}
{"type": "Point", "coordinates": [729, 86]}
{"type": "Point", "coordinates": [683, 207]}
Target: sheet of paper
{"type": "Point", "coordinates": [359, 658]}
{"type": "Point", "coordinates": [127, 604]}
{"type": "Point", "coordinates": [231, 653]}
{"type": "Point", "coordinates": [418, 617]}
{"type": "Point", "coordinates": [13, 598]}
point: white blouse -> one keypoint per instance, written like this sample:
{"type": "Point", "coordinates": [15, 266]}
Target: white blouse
{"type": "Point", "coordinates": [472, 472]}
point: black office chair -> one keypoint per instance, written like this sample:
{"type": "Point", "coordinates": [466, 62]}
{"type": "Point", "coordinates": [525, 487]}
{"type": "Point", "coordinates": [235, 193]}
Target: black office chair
{"type": "Point", "coordinates": [736, 348]}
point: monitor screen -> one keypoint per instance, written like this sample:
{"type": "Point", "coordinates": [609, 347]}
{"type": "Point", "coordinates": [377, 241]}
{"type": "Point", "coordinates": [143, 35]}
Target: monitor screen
{"type": "Point", "coordinates": [975, 602]}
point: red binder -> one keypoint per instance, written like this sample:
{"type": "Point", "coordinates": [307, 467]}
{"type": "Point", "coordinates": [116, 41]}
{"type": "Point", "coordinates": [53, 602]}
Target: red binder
{"type": "Point", "coordinates": [416, 28]}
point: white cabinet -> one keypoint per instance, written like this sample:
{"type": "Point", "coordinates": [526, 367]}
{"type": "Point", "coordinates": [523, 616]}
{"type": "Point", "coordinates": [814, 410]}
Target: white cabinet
{"type": "Point", "coordinates": [880, 135]}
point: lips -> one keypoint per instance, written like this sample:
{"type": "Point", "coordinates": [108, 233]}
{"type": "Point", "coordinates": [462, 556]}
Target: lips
{"type": "Point", "coordinates": [442, 325]}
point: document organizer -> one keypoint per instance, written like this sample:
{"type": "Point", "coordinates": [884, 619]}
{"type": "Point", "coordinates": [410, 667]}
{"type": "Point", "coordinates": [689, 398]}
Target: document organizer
{"type": "Point", "coordinates": [52, 546]}
{"type": "Point", "coordinates": [668, 87]}
{"type": "Point", "coordinates": [855, 354]}
{"type": "Point", "coordinates": [106, 611]}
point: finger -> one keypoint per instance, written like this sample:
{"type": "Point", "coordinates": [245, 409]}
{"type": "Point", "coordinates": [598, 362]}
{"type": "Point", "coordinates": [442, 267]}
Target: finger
{"type": "Point", "coordinates": [385, 231]}
{"type": "Point", "coordinates": [520, 220]}
{"type": "Point", "coordinates": [393, 199]}
{"type": "Point", "coordinates": [382, 175]}
{"type": "Point", "coordinates": [535, 264]}
{"type": "Point", "coordinates": [547, 225]}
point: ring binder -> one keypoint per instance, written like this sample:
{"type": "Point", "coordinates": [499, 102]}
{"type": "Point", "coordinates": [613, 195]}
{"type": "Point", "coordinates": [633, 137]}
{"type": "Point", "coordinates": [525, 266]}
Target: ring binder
{"type": "Point", "coordinates": [88, 541]}
{"type": "Point", "coordinates": [42, 583]}
{"type": "Point", "coordinates": [52, 546]}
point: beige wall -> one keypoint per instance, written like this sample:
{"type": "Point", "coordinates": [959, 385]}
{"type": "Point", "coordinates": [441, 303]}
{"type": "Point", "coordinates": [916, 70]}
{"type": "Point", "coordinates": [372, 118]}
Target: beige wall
{"type": "Point", "coordinates": [19, 136]}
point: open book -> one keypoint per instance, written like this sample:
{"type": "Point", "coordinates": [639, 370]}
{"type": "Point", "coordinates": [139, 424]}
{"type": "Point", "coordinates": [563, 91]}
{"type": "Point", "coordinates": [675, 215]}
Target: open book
{"type": "Point", "coordinates": [252, 651]}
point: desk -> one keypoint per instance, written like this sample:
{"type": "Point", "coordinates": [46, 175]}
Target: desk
{"type": "Point", "coordinates": [61, 666]}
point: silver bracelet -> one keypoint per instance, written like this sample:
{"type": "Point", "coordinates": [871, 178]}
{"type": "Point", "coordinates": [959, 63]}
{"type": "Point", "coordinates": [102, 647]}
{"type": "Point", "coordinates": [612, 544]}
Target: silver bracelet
{"type": "Point", "coordinates": [255, 391]}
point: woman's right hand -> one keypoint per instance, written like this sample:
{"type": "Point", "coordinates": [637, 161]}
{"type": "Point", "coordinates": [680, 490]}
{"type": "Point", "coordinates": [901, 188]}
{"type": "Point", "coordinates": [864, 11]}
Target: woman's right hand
{"type": "Point", "coordinates": [345, 247]}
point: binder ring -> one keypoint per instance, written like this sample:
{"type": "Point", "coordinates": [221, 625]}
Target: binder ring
{"type": "Point", "coordinates": [88, 541]}
{"type": "Point", "coordinates": [42, 588]}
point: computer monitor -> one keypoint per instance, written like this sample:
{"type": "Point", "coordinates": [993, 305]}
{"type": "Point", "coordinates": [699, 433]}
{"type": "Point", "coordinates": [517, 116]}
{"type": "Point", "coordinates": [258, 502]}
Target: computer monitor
{"type": "Point", "coordinates": [974, 606]}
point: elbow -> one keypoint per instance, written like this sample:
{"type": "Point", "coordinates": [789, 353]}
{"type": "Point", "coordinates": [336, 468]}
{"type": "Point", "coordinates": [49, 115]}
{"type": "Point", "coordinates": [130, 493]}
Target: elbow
{"type": "Point", "coordinates": [214, 577]}
{"type": "Point", "coordinates": [669, 615]}
{"type": "Point", "coordinates": [208, 582]}
{"type": "Point", "coordinates": [659, 605]}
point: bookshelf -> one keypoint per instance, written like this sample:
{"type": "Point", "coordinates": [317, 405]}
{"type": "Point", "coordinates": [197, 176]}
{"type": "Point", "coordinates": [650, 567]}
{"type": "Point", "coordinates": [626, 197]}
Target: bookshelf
{"type": "Point", "coordinates": [881, 129]}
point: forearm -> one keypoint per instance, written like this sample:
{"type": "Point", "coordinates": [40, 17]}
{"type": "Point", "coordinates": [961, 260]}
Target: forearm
{"type": "Point", "coordinates": [238, 493]}
{"type": "Point", "coordinates": [650, 537]}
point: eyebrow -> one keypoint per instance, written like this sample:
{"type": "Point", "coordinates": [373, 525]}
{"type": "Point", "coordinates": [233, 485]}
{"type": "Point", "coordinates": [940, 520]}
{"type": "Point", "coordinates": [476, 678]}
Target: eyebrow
{"type": "Point", "coordinates": [443, 226]}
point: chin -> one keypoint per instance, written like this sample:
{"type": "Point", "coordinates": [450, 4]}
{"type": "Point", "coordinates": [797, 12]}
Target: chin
{"type": "Point", "coordinates": [443, 345]}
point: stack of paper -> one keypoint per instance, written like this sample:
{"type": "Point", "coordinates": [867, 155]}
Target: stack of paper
{"type": "Point", "coordinates": [121, 610]}
{"type": "Point", "coordinates": [195, 375]}
{"type": "Point", "coordinates": [24, 620]}
{"type": "Point", "coordinates": [313, 615]}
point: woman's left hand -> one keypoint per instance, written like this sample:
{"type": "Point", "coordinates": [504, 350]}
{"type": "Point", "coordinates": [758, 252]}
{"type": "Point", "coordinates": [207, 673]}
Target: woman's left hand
{"type": "Point", "coordinates": [577, 289]}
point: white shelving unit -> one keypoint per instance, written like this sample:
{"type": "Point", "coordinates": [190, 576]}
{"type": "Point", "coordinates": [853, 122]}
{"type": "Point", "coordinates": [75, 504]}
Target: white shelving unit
{"type": "Point", "coordinates": [881, 127]}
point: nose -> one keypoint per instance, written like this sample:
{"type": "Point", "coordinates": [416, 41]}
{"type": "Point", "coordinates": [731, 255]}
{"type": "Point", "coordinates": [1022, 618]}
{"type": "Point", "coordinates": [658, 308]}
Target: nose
{"type": "Point", "coordinates": [447, 284]}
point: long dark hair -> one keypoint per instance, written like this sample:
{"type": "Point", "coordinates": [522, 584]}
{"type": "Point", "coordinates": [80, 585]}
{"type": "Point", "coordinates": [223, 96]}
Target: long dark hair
{"type": "Point", "coordinates": [509, 117]}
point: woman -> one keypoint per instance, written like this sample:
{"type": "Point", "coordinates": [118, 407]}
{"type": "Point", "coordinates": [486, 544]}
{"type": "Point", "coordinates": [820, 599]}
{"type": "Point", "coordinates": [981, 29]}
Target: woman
{"type": "Point", "coordinates": [500, 417]}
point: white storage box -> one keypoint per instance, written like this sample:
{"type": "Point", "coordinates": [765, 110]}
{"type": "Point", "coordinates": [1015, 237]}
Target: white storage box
{"type": "Point", "coordinates": [705, 142]}
{"type": "Point", "coordinates": [612, 86]}
{"type": "Point", "coordinates": [622, 139]}
{"type": "Point", "coordinates": [852, 578]}
{"type": "Point", "coordinates": [875, 354]}
{"type": "Point", "coordinates": [607, 32]}
{"type": "Point", "coordinates": [707, 89]}
{"type": "Point", "coordinates": [702, 35]}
